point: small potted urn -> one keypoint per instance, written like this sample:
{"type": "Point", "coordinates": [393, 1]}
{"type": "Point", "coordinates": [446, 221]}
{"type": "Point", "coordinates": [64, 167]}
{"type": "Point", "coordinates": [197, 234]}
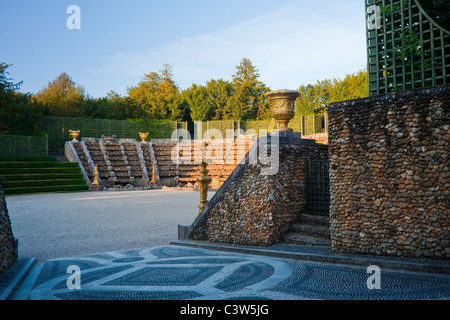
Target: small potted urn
{"type": "Point", "coordinates": [143, 136]}
{"type": "Point", "coordinates": [282, 104]}
{"type": "Point", "coordinates": [74, 134]}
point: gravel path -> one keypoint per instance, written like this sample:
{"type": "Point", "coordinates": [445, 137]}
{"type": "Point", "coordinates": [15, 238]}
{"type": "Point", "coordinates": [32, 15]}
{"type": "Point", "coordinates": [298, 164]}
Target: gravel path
{"type": "Point", "coordinates": [70, 224]}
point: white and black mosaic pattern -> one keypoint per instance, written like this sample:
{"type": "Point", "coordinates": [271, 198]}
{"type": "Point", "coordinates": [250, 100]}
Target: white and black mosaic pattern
{"type": "Point", "coordinates": [181, 273]}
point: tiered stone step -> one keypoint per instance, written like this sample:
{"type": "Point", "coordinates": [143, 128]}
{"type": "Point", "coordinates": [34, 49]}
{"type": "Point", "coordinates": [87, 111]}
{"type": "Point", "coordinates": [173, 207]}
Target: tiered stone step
{"type": "Point", "coordinates": [163, 156]}
{"type": "Point", "coordinates": [84, 160]}
{"type": "Point", "coordinates": [97, 156]}
{"type": "Point", "coordinates": [118, 163]}
{"type": "Point", "coordinates": [311, 230]}
{"type": "Point", "coordinates": [147, 157]}
{"type": "Point", "coordinates": [132, 154]}
{"type": "Point", "coordinates": [222, 158]}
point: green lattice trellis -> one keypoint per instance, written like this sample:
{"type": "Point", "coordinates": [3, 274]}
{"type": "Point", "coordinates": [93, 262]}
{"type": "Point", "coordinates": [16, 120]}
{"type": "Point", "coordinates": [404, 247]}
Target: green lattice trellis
{"type": "Point", "coordinates": [407, 49]}
{"type": "Point", "coordinates": [317, 187]}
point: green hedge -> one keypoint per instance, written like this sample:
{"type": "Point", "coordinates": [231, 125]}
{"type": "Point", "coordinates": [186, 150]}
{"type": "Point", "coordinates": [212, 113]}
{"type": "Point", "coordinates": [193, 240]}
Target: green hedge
{"type": "Point", "coordinates": [23, 146]}
{"type": "Point", "coordinates": [12, 159]}
{"type": "Point", "coordinates": [38, 164]}
{"type": "Point", "coordinates": [57, 129]}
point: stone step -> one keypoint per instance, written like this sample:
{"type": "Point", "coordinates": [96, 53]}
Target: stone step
{"type": "Point", "coordinates": [313, 230]}
{"type": "Point", "coordinates": [314, 219]}
{"type": "Point", "coordinates": [310, 229]}
{"type": "Point", "coordinates": [301, 239]}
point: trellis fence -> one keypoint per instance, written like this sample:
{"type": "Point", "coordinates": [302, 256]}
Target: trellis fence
{"type": "Point", "coordinates": [407, 50]}
{"type": "Point", "coordinates": [317, 187]}
{"type": "Point", "coordinates": [23, 146]}
{"type": "Point", "coordinates": [57, 129]}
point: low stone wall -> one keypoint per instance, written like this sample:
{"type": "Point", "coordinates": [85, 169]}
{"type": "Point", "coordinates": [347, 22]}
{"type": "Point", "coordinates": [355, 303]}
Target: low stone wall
{"type": "Point", "coordinates": [255, 209]}
{"type": "Point", "coordinates": [389, 174]}
{"type": "Point", "coordinates": [8, 253]}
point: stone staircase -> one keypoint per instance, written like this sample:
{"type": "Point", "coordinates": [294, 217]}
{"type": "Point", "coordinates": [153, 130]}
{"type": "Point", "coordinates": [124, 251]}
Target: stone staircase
{"type": "Point", "coordinates": [131, 154]}
{"type": "Point", "coordinates": [124, 161]}
{"type": "Point", "coordinates": [186, 172]}
{"type": "Point", "coordinates": [120, 162]}
{"type": "Point", "coordinates": [166, 168]}
{"type": "Point", "coordinates": [309, 230]}
{"type": "Point", "coordinates": [116, 161]}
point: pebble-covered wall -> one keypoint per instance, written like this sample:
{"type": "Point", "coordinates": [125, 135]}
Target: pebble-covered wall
{"type": "Point", "coordinates": [255, 209]}
{"type": "Point", "coordinates": [8, 255]}
{"type": "Point", "coordinates": [390, 174]}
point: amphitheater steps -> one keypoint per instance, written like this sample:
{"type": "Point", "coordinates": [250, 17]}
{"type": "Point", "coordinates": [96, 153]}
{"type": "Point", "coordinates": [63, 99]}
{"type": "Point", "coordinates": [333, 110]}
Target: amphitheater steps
{"type": "Point", "coordinates": [187, 173]}
{"type": "Point", "coordinates": [132, 154]}
{"type": "Point", "coordinates": [310, 230]}
{"type": "Point", "coordinates": [98, 158]}
{"type": "Point", "coordinates": [84, 160]}
{"type": "Point", "coordinates": [166, 167]}
{"type": "Point", "coordinates": [24, 175]}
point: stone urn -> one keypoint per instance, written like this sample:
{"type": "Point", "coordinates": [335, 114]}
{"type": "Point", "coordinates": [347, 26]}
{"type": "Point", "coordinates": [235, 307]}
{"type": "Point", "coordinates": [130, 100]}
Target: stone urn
{"type": "Point", "coordinates": [74, 134]}
{"type": "Point", "coordinates": [282, 103]}
{"type": "Point", "coordinates": [143, 136]}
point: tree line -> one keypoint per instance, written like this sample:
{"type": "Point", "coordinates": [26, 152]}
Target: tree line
{"type": "Point", "coordinates": [158, 97]}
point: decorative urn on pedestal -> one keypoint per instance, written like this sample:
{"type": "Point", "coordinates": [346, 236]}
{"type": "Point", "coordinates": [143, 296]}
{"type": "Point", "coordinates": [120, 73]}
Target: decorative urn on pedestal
{"type": "Point", "coordinates": [143, 136]}
{"type": "Point", "coordinates": [74, 134]}
{"type": "Point", "coordinates": [282, 104]}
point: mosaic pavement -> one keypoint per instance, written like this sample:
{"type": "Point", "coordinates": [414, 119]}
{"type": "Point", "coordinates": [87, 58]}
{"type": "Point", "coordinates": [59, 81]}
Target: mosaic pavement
{"type": "Point", "coordinates": [182, 273]}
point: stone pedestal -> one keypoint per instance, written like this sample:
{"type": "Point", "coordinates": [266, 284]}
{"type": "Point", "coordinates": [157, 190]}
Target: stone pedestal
{"type": "Point", "coordinates": [97, 187]}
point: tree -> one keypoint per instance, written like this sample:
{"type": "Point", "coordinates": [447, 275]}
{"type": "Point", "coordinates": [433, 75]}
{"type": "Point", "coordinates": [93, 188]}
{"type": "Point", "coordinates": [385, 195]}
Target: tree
{"type": "Point", "coordinates": [314, 99]}
{"type": "Point", "coordinates": [353, 86]}
{"type": "Point", "coordinates": [158, 96]}
{"type": "Point", "coordinates": [6, 86]}
{"type": "Point", "coordinates": [219, 93]}
{"type": "Point", "coordinates": [248, 100]}
{"type": "Point", "coordinates": [115, 106]}
{"type": "Point", "coordinates": [170, 94]}
{"type": "Point", "coordinates": [196, 99]}
{"type": "Point", "coordinates": [62, 96]}
{"type": "Point", "coordinates": [18, 112]}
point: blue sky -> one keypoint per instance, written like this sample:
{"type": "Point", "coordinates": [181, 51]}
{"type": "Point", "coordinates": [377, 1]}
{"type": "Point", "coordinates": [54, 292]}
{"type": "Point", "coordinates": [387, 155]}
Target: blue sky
{"type": "Point", "coordinates": [291, 42]}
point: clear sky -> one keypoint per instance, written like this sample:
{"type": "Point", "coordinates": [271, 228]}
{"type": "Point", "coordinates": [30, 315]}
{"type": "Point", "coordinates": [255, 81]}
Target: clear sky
{"type": "Point", "coordinates": [290, 42]}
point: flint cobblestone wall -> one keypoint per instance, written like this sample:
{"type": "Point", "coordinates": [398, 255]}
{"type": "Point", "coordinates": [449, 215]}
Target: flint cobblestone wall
{"type": "Point", "coordinates": [8, 254]}
{"type": "Point", "coordinates": [257, 209]}
{"type": "Point", "coordinates": [389, 174]}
